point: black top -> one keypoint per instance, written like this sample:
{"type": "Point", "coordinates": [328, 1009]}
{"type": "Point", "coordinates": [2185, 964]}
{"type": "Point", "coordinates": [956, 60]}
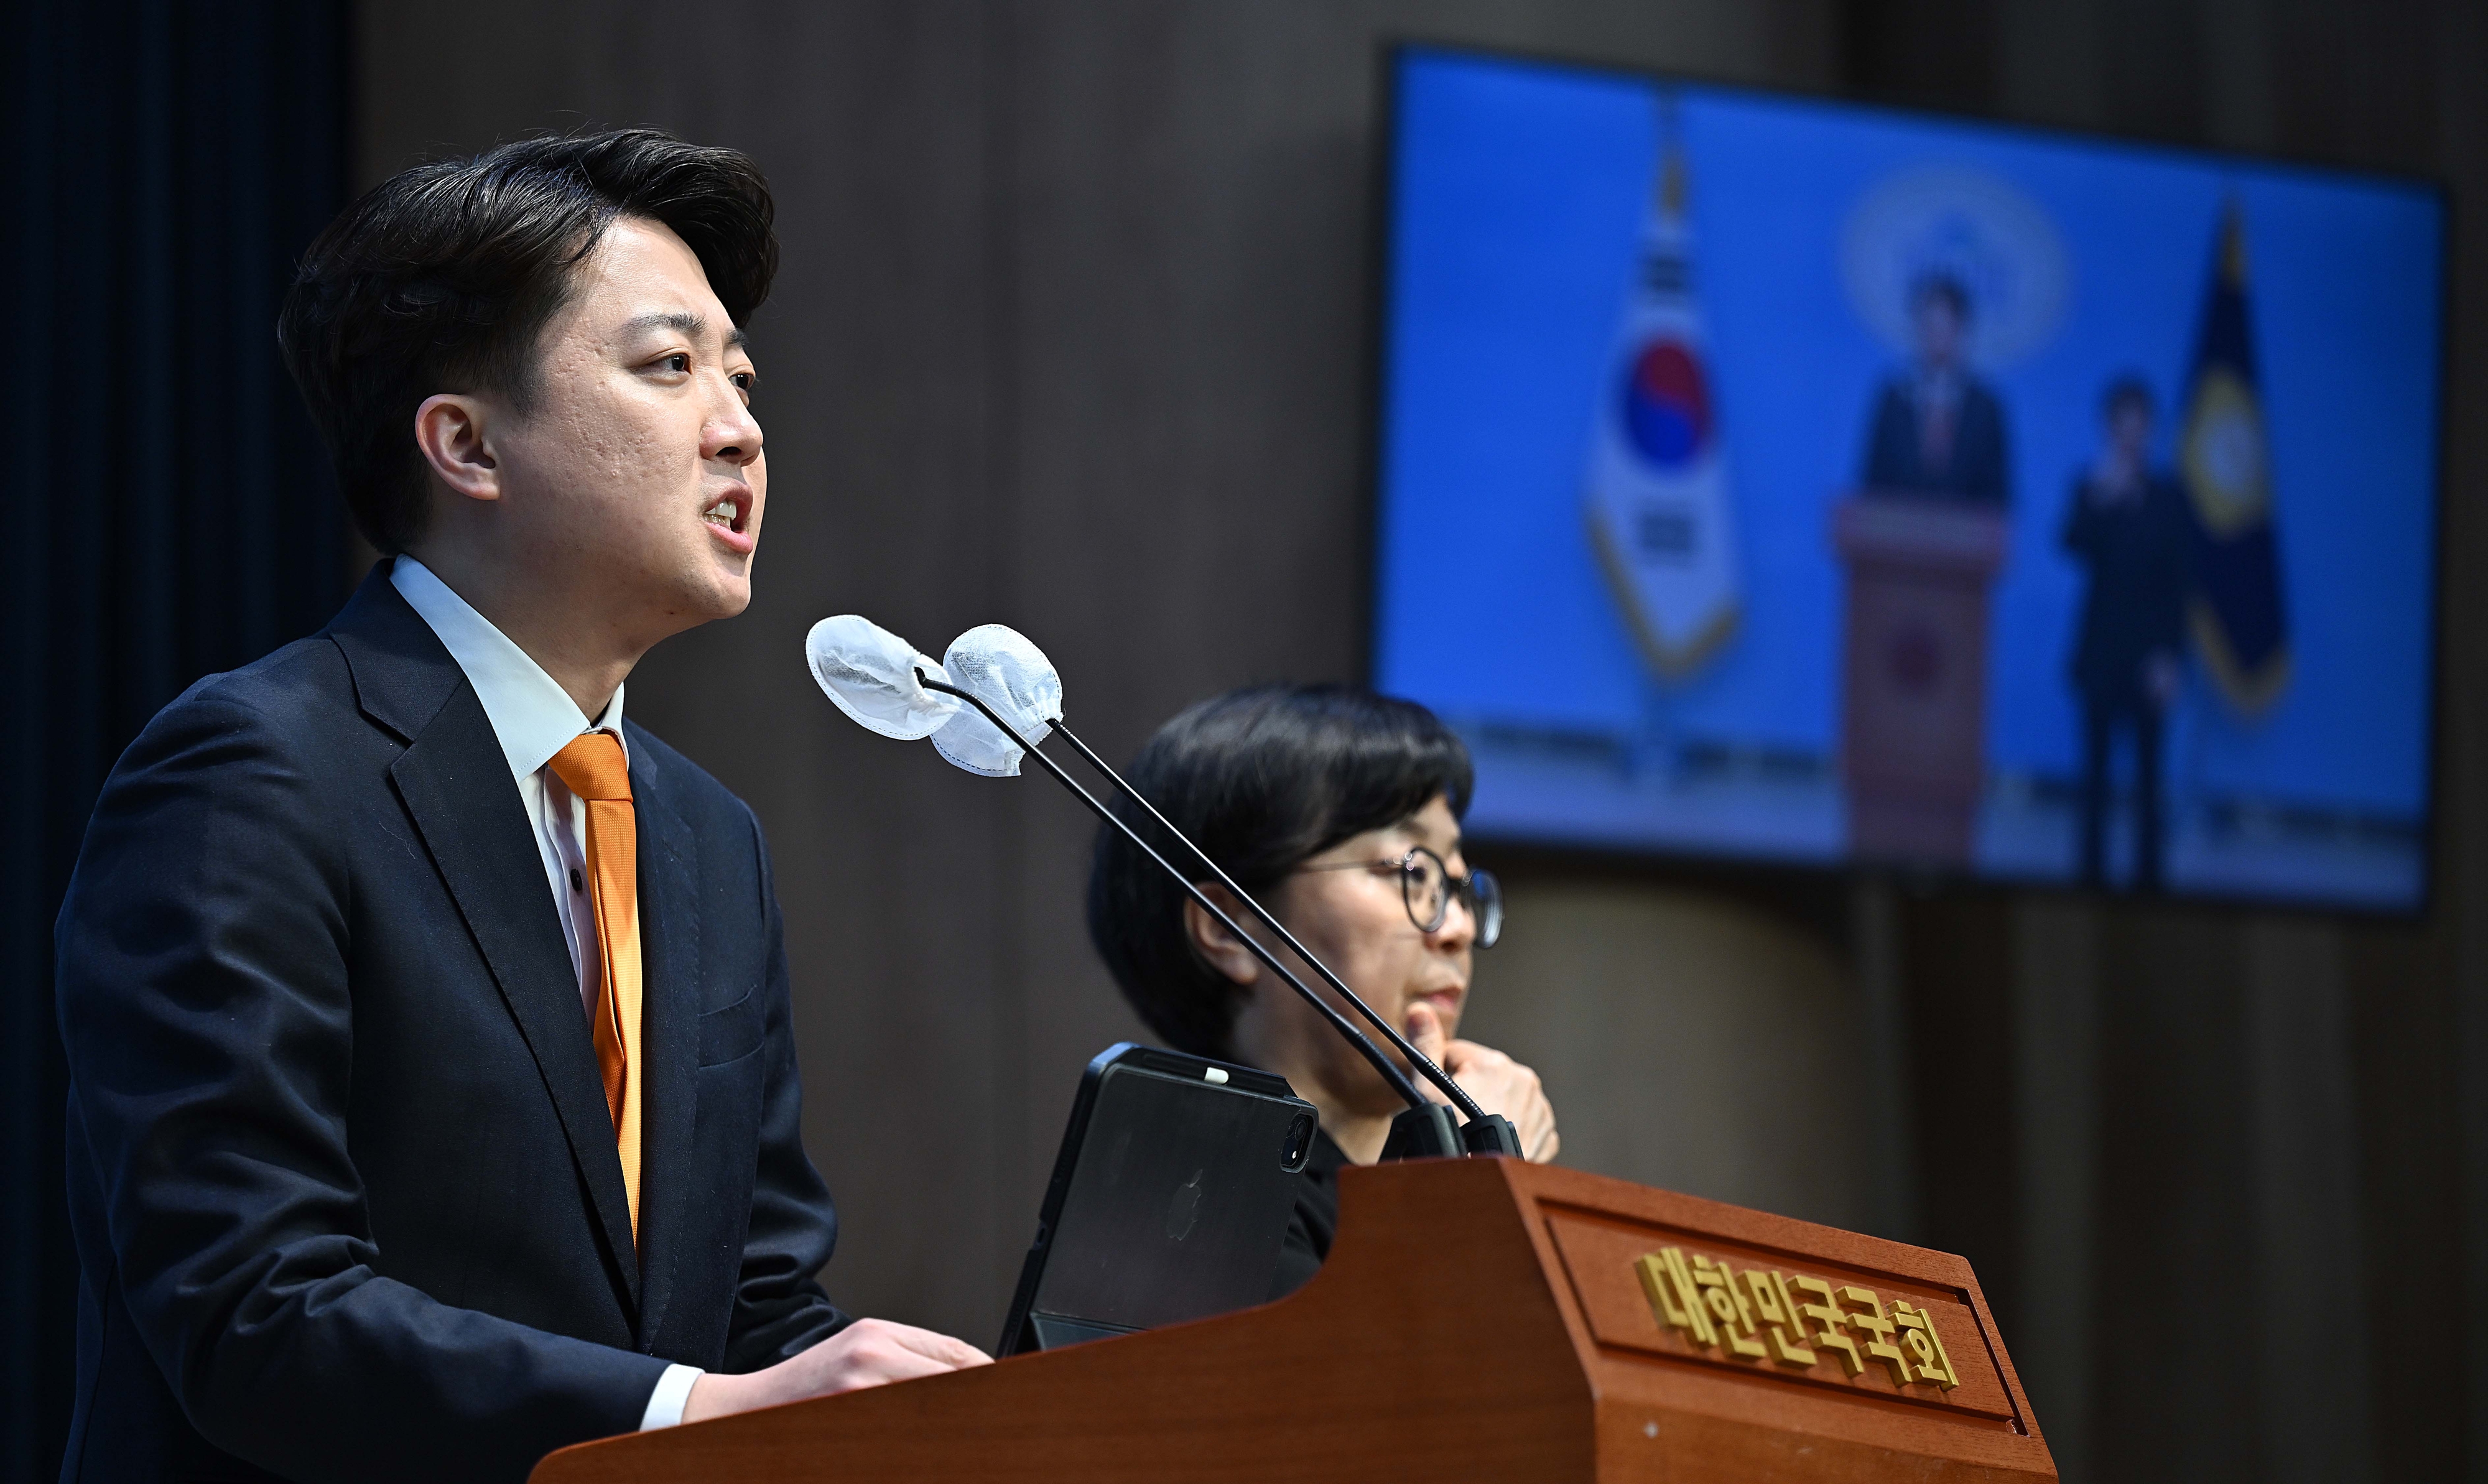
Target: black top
{"type": "Point", "coordinates": [1315, 1220]}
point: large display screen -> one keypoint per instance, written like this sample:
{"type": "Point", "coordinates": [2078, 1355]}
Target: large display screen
{"type": "Point", "coordinates": [1792, 480]}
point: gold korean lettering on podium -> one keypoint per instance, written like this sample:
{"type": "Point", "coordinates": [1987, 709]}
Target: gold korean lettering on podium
{"type": "Point", "coordinates": [1792, 1320]}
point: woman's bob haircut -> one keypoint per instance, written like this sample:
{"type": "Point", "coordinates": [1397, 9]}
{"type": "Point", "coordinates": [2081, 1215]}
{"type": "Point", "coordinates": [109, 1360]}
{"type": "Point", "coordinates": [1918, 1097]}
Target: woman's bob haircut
{"type": "Point", "coordinates": [1264, 780]}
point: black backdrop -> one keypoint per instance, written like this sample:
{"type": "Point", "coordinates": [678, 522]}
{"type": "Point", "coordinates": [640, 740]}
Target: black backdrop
{"type": "Point", "coordinates": [171, 515]}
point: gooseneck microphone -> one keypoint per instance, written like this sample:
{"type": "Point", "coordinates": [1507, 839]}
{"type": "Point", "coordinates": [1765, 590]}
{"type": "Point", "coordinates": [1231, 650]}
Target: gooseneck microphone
{"type": "Point", "coordinates": [1481, 1132]}
{"type": "Point", "coordinates": [1426, 1129]}
{"type": "Point", "coordinates": [887, 686]}
{"type": "Point", "coordinates": [1391, 1074]}
{"type": "Point", "coordinates": [999, 664]}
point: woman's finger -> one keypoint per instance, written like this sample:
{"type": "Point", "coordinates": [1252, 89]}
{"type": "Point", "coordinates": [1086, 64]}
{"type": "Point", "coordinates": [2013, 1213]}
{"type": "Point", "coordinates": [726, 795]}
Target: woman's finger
{"type": "Point", "coordinates": [1425, 1032]}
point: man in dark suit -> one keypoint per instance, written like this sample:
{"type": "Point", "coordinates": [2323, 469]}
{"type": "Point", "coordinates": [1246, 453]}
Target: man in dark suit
{"type": "Point", "coordinates": [1939, 431]}
{"type": "Point", "coordinates": [2131, 526]}
{"type": "Point", "coordinates": [434, 1103]}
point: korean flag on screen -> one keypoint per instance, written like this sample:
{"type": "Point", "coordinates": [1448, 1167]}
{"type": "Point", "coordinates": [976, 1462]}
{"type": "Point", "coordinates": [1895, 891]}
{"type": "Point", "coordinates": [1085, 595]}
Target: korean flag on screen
{"type": "Point", "coordinates": [1657, 502]}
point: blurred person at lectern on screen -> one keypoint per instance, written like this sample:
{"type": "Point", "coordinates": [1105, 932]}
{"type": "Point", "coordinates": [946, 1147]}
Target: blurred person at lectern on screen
{"type": "Point", "coordinates": [1938, 429]}
{"type": "Point", "coordinates": [1340, 811]}
{"type": "Point", "coordinates": [434, 1101]}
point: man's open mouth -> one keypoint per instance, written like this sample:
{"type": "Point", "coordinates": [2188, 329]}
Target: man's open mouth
{"type": "Point", "coordinates": [731, 511]}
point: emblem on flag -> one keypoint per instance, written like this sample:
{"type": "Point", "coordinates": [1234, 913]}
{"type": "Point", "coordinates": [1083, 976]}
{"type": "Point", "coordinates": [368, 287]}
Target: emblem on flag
{"type": "Point", "coordinates": [1657, 507]}
{"type": "Point", "coordinates": [2237, 616]}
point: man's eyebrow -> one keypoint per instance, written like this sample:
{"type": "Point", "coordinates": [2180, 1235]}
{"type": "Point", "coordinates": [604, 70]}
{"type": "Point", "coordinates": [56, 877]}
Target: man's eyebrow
{"type": "Point", "coordinates": [688, 324]}
{"type": "Point", "coordinates": [676, 319]}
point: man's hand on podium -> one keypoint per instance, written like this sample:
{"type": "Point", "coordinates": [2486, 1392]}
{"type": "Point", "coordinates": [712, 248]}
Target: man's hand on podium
{"type": "Point", "coordinates": [868, 1352]}
{"type": "Point", "coordinates": [1499, 1083]}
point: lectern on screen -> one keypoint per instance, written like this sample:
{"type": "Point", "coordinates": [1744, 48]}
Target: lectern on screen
{"type": "Point", "coordinates": [1775, 478]}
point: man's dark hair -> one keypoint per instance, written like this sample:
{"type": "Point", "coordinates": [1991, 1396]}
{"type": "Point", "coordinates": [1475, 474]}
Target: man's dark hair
{"type": "Point", "coordinates": [1938, 284]}
{"type": "Point", "coordinates": [1264, 780]}
{"type": "Point", "coordinates": [442, 277]}
{"type": "Point", "coordinates": [2128, 390]}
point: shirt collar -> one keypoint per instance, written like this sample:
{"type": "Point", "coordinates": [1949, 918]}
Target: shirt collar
{"type": "Point", "coordinates": [532, 717]}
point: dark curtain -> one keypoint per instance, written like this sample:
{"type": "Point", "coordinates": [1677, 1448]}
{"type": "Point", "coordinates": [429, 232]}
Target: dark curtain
{"type": "Point", "coordinates": [172, 513]}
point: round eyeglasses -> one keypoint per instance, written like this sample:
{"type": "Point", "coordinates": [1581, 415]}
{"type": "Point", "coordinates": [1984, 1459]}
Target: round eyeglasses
{"type": "Point", "coordinates": [1427, 888]}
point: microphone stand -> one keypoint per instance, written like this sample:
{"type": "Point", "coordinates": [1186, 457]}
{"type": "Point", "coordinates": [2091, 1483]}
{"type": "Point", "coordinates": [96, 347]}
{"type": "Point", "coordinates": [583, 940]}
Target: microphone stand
{"type": "Point", "coordinates": [1485, 1132]}
{"type": "Point", "coordinates": [1424, 1129]}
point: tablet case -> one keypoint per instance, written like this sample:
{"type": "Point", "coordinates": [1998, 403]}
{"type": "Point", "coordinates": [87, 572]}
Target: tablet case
{"type": "Point", "coordinates": [1169, 1202]}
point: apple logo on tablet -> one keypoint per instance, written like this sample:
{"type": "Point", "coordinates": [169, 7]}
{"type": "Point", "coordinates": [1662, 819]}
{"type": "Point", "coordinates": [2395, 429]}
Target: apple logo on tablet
{"type": "Point", "coordinates": [1185, 1209]}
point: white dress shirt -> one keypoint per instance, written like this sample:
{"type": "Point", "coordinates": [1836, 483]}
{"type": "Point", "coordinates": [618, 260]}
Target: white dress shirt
{"type": "Point", "coordinates": [534, 718]}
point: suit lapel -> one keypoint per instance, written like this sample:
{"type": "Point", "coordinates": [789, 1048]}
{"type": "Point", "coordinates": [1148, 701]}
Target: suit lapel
{"type": "Point", "coordinates": [669, 950]}
{"type": "Point", "coordinates": [455, 783]}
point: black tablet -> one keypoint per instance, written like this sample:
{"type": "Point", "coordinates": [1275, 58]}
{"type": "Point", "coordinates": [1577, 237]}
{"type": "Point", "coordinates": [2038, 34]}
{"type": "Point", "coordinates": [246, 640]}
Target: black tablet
{"type": "Point", "coordinates": [1169, 1202]}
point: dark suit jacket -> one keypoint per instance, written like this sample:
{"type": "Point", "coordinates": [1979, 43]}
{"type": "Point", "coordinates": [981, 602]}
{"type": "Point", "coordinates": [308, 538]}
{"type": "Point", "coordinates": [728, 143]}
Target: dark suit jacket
{"type": "Point", "coordinates": [2140, 556]}
{"type": "Point", "coordinates": [1979, 469]}
{"type": "Point", "coordinates": [342, 1179]}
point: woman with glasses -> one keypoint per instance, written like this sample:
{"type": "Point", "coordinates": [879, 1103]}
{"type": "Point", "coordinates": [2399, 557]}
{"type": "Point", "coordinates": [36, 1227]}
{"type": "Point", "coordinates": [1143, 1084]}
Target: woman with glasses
{"type": "Point", "coordinates": [1340, 811]}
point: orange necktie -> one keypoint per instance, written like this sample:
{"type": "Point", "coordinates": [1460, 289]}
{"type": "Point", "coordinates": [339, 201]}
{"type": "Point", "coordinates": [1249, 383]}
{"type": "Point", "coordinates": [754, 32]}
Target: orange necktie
{"type": "Point", "coordinates": [592, 767]}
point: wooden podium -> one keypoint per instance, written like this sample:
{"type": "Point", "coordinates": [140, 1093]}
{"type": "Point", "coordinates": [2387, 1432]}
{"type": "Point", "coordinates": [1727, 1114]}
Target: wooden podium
{"type": "Point", "coordinates": [1913, 733]}
{"type": "Point", "coordinates": [1478, 1319]}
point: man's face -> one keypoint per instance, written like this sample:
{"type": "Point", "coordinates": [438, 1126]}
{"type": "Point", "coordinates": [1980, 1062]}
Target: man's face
{"type": "Point", "coordinates": [639, 462]}
{"type": "Point", "coordinates": [2128, 430]}
{"type": "Point", "coordinates": [1938, 326]}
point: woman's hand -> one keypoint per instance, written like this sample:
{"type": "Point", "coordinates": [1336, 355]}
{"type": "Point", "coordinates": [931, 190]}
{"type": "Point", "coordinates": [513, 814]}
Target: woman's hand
{"type": "Point", "coordinates": [1499, 1083]}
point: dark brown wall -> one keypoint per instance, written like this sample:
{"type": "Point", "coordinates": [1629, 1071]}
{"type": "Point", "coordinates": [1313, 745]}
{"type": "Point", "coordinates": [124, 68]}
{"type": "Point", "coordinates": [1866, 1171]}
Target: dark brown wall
{"type": "Point", "coordinates": [1072, 334]}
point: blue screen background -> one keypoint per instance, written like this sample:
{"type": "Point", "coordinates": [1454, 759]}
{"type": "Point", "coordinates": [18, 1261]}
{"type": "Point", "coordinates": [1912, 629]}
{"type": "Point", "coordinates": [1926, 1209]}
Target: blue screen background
{"type": "Point", "coordinates": [1518, 191]}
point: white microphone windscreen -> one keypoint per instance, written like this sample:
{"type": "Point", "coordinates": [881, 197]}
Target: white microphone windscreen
{"type": "Point", "coordinates": [869, 673]}
{"type": "Point", "coordinates": [1002, 668]}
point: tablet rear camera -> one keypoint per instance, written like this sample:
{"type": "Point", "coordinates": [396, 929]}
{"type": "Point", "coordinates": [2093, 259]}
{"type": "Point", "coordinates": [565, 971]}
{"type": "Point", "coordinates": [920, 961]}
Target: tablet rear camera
{"type": "Point", "coordinates": [1300, 1144]}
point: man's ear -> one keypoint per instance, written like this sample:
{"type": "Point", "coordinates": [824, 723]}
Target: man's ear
{"type": "Point", "coordinates": [451, 431]}
{"type": "Point", "coordinates": [1219, 948]}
